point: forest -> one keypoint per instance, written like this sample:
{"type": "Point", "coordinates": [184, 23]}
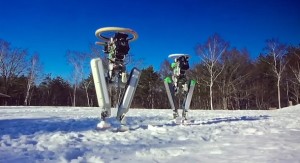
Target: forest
{"type": "Point", "coordinates": [227, 78]}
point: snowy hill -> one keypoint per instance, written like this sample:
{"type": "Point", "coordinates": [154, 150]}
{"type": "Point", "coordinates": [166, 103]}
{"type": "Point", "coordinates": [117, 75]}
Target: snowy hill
{"type": "Point", "coordinates": [65, 134]}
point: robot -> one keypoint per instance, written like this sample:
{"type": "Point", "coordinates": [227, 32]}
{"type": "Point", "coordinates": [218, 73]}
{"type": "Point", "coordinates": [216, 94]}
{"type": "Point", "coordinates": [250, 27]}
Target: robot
{"type": "Point", "coordinates": [115, 41]}
{"type": "Point", "coordinates": [178, 86]}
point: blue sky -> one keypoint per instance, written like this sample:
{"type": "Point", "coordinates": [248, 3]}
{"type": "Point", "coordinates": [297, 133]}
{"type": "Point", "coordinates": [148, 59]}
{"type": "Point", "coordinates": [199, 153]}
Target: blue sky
{"type": "Point", "coordinates": [52, 27]}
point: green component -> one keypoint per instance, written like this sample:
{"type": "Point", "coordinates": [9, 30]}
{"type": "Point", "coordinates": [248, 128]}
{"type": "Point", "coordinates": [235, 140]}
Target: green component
{"type": "Point", "coordinates": [193, 82]}
{"type": "Point", "coordinates": [173, 65]}
{"type": "Point", "coordinates": [168, 80]}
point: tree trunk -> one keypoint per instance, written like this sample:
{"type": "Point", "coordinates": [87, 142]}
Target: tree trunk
{"type": "Point", "coordinates": [87, 97]}
{"type": "Point", "coordinates": [86, 86]}
{"type": "Point", "coordinates": [74, 96]}
{"type": "Point", "coordinates": [224, 101]}
{"type": "Point", "coordinates": [27, 94]}
{"type": "Point", "coordinates": [278, 90]}
{"type": "Point", "coordinates": [211, 96]}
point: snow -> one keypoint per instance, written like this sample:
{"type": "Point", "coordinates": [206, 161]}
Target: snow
{"type": "Point", "coordinates": [66, 134]}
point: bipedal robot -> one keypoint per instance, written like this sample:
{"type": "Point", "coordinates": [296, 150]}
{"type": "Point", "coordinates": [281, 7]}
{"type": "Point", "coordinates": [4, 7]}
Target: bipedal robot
{"type": "Point", "coordinates": [179, 88]}
{"type": "Point", "coordinates": [116, 44]}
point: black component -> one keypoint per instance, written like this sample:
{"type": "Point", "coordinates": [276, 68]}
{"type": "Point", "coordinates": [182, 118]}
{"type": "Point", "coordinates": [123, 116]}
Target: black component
{"type": "Point", "coordinates": [184, 115]}
{"type": "Point", "coordinates": [106, 48]}
{"type": "Point", "coordinates": [181, 74]}
{"type": "Point", "coordinates": [122, 46]}
{"type": "Point", "coordinates": [104, 114]}
{"type": "Point", "coordinates": [175, 89]}
{"type": "Point", "coordinates": [175, 114]}
{"type": "Point", "coordinates": [183, 63]}
{"type": "Point", "coordinates": [121, 117]}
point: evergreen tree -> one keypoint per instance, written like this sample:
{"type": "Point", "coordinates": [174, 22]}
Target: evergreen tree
{"type": "Point", "coordinates": [149, 89]}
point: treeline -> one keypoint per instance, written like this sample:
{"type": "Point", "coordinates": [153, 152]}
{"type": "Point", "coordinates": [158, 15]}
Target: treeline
{"type": "Point", "coordinates": [227, 78]}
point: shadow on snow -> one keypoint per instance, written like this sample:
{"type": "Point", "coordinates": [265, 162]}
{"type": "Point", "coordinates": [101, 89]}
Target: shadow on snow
{"type": "Point", "coordinates": [220, 120]}
{"type": "Point", "coordinates": [28, 126]}
{"type": "Point", "coordinates": [18, 127]}
{"type": "Point", "coordinates": [235, 119]}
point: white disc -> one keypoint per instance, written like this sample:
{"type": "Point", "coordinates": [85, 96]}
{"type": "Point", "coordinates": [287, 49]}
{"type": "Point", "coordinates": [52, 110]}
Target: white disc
{"type": "Point", "coordinates": [102, 33]}
{"type": "Point", "coordinates": [177, 55]}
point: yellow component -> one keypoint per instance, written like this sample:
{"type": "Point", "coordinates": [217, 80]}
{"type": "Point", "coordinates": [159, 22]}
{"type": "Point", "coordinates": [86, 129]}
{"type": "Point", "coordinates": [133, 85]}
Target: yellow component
{"type": "Point", "coordinates": [124, 77]}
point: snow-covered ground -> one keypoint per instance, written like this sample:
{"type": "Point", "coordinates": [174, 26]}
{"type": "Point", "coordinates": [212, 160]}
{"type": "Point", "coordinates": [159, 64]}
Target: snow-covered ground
{"type": "Point", "coordinates": [66, 134]}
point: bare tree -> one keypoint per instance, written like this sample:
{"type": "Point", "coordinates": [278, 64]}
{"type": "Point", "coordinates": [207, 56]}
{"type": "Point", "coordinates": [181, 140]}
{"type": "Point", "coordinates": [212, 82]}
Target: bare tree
{"type": "Point", "coordinates": [76, 59]}
{"type": "Point", "coordinates": [12, 64]}
{"type": "Point", "coordinates": [294, 69]}
{"type": "Point", "coordinates": [201, 100]}
{"type": "Point", "coordinates": [278, 63]}
{"type": "Point", "coordinates": [210, 53]}
{"type": "Point", "coordinates": [165, 69]}
{"type": "Point", "coordinates": [295, 91]}
{"type": "Point", "coordinates": [34, 67]}
{"type": "Point", "coordinates": [86, 84]}
{"type": "Point", "coordinates": [233, 77]}
{"type": "Point", "coordinates": [96, 51]}
{"type": "Point", "coordinates": [4, 50]}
